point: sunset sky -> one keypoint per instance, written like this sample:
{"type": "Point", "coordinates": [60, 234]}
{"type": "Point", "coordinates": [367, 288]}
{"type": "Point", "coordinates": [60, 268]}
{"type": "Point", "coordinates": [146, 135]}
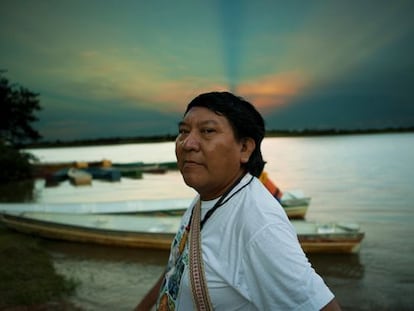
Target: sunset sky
{"type": "Point", "coordinates": [128, 68]}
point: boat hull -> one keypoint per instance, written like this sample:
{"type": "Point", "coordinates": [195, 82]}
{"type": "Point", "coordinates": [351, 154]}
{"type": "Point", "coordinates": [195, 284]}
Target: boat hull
{"type": "Point", "coordinates": [84, 234]}
{"type": "Point", "coordinates": [296, 212]}
{"type": "Point", "coordinates": [158, 232]}
{"type": "Point", "coordinates": [336, 245]}
{"type": "Point", "coordinates": [328, 238]}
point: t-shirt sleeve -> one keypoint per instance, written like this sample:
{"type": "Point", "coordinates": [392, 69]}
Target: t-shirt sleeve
{"type": "Point", "coordinates": [277, 273]}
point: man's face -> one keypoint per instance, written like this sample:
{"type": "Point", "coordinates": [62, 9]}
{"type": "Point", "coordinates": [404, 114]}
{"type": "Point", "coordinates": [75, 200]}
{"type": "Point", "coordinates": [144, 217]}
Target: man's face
{"type": "Point", "coordinates": [208, 155]}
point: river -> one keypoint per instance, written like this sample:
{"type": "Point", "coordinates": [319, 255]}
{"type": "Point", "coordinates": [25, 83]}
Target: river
{"type": "Point", "coordinates": [366, 179]}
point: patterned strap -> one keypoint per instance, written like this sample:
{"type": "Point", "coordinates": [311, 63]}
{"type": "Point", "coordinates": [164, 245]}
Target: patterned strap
{"type": "Point", "coordinates": [197, 275]}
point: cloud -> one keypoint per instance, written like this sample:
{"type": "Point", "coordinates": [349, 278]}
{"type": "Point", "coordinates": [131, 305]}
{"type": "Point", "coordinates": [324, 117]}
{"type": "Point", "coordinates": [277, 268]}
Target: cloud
{"type": "Point", "coordinates": [92, 58]}
{"type": "Point", "coordinates": [273, 90]}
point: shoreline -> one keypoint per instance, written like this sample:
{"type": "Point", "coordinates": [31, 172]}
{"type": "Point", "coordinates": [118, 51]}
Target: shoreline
{"type": "Point", "coordinates": [170, 137]}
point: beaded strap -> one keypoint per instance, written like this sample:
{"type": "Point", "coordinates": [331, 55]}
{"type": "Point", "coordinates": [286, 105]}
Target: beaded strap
{"type": "Point", "coordinates": [197, 275]}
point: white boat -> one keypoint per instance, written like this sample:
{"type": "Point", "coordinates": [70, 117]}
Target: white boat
{"type": "Point", "coordinates": [294, 203]}
{"type": "Point", "coordinates": [117, 230]}
{"type": "Point", "coordinates": [158, 232]}
{"type": "Point", "coordinates": [149, 206]}
{"type": "Point", "coordinates": [336, 237]}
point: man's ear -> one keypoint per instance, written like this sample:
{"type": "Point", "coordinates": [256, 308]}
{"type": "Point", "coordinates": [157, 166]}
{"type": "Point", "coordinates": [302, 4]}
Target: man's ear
{"type": "Point", "coordinates": [247, 147]}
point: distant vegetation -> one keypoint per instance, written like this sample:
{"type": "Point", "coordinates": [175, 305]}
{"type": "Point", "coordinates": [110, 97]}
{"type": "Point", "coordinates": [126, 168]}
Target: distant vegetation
{"type": "Point", "coordinates": [17, 112]}
{"type": "Point", "coordinates": [101, 141]}
{"type": "Point", "coordinates": [313, 132]}
{"type": "Point", "coordinates": [165, 138]}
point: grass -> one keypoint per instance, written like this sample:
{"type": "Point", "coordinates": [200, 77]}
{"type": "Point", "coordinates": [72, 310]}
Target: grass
{"type": "Point", "coordinates": [28, 280]}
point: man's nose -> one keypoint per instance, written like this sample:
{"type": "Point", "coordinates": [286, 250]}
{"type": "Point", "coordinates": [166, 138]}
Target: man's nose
{"type": "Point", "coordinates": [191, 142]}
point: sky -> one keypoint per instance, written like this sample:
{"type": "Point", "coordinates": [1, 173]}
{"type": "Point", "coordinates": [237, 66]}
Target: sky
{"type": "Point", "coordinates": [129, 68]}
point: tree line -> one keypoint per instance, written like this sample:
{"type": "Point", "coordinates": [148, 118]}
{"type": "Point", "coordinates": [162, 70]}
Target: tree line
{"type": "Point", "coordinates": [18, 107]}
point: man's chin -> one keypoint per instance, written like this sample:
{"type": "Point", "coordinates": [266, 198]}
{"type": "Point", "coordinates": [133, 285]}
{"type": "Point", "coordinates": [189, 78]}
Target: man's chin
{"type": "Point", "coordinates": [192, 180]}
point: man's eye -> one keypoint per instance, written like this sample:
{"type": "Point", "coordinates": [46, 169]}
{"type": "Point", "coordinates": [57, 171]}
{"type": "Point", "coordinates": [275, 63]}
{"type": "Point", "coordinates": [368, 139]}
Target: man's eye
{"type": "Point", "coordinates": [208, 130]}
{"type": "Point", "coordinates": [182, 131]}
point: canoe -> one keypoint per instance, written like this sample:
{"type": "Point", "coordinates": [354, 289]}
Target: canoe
{"type": "Point", "coordinates": [79, 177]}
{"type": "Point", "coordinates": [296, 208]}
{"type": "Point", "coordinates": [114, 230]}
{"type": "Point", "coordinates": [328, 237]}
{"type": "Point", "coordinates": [152, 168]}
{"type": "Point", "coordinates": [157, 232]}
{"type": "Point", "coordinates": [54, 178]}
{"type": "Point", "coordinates": [104, 173]}
{"type": "Point", "coordinates": [172, 165]}
{"type": "Point", "coordinates": [295, 204]}
{"type": "Point", "coordinates": [149, 207]}
{"type": "Point", "coordinates": [133, 173]}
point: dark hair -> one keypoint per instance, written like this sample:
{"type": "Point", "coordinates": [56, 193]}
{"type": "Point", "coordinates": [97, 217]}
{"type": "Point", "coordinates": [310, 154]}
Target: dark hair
{"type": "Point", "coordinates": [245, 120]}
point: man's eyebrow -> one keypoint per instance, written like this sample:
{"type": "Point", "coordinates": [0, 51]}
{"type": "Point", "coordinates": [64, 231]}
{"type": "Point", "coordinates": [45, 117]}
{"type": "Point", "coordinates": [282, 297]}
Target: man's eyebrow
{"type": "Point", "coordinates": [205, 122]}
{"type": "Point", "coordinates": [208, 122]}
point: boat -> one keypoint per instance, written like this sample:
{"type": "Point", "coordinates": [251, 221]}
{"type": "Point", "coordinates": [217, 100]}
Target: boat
{"type": "Point", "coordinates": [149, 207]}
{"type": "Point", "coordinates": [131, 173]}
{"type": "Point", "coordinates": [53, 179]}
{"type": "Point", "coordinates": [294, 202]}
{"type": "Point", "coordinates": [157, 232]}
{"type": "Point", "coordinates": [114, 230]}
{"type": "Point", "coordinates": [338, 237]}
{"type": "Point", "coordinates": [172, 165]}
{"type": "Point", "coordinates": [152, 168]}
{"type": "Point", "coordinates": [104, 173]}
{"type": "Point", "coordinates": [79, 177]}
{"type": "Point", "coordinates": [296, 206]}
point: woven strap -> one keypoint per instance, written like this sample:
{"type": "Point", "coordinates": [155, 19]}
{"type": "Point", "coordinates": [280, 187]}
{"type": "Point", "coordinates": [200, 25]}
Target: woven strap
{"type": "Point", "coordinates": [197, 275]}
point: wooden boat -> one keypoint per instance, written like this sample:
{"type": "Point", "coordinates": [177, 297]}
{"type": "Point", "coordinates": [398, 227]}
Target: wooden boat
{"type": "Point", "coordinates": [295, 204]}
{"type": "Point", "coordinates": [116, 230]}
{"type": "Point", "coordinates": [172, 165]}
{"type": "Point", "coordinates": [130, 172]}
{"type": "Point", "coordinates": [158, 232]}
{"type": "Point", "coordinates": [104, 173]}
{"type": "Point", "coordinates": [328, 237]}
{"type": "Point", "coordinates": [54, 178]}
{"type": "Point", "coordinates": [295, 208]}
{"type": "Point", "coordinates": [153, 168]}
{"type": "Point", "coordinates": [149, 207]}
{"type": "Point", "coordinates": [79, 177]}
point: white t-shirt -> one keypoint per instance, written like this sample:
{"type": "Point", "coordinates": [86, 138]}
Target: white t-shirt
{"type": "Point", "coordinates": [252, 258]}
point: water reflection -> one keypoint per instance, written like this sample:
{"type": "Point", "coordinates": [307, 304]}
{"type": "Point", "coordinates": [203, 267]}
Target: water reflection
{"type": "Point", "coordinates": [109, 278]}
{"type": "Point", "coordinates": [338, 266]}
{"type": "Point", "coordinates": [21, 191]}
{"type": "Point", "coordinates": [105, 253]}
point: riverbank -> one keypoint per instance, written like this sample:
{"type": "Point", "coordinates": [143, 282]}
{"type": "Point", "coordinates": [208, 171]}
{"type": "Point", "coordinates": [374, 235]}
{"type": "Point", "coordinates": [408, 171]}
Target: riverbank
{"type": "Point", "coordinates": [169, 137]}
{"type": "Point", "coordinates": [28, 278]}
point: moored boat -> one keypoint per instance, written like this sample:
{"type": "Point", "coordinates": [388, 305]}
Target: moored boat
{"type": "Point", "coordinates": [79, 177]}
{"type": "Point", "coordinates": [158, 232]}
{"type": "Point", "coordinates": [153, 168]}
{"type": "Point", "coordinates": [116, 230]}
{"type": "Point", "coordinates": [150, 207]}
{"type": "Point", "coordinates": [295, 204]}
{"type": "Point", "coordinates": [104, 173]}
{"type": "Point", "coordinates": [328, 237]}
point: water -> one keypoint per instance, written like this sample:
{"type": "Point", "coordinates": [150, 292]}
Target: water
{"type": "Point", "coordinates": [363, 178]}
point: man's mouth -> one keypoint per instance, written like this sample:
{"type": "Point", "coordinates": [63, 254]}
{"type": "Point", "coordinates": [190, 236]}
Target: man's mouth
{"type": "Point", "coordinates": [191, 163]}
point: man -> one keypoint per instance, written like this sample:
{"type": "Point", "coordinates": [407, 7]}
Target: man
{"type": "Point", "coordinates": [251, 257]}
